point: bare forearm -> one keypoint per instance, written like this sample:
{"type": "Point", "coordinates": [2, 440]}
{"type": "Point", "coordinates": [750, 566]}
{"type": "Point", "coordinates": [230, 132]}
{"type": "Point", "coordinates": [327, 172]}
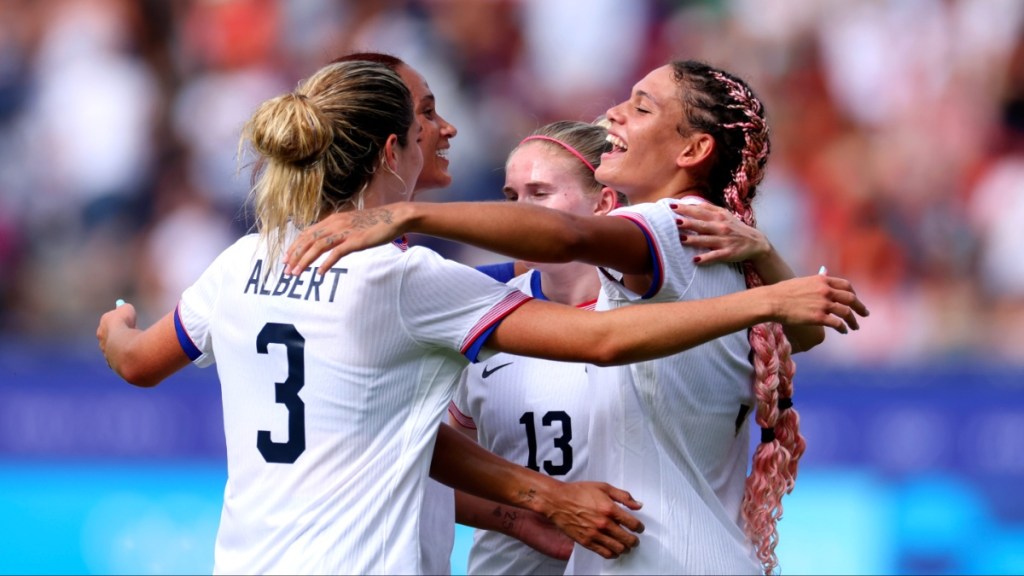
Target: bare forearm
{"type": "Point", "coordinates": [648, 331]}
{"type": "Point", "coordinates": [464, 465]}
{"type": "Point", "coordinates": [532, 233]}
{"type": "Point", "coordinates": [486, 514]}
{"type": "Point", "coordinates": [629, 334]}
{"type": "Point", "coordinates": [141, 357]}
{"type": "Point", "coordinates": [121, 354]}
{"type": "Point", "coordinates": [528, 527]}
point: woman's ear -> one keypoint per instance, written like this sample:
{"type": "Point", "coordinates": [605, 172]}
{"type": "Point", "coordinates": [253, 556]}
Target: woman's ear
{"type": "Point", "coordinates": [606, 202]}
{"type": "Point", "coordinates": [698, 148]}
{"type": "Point", "coordinates": [391, 153]}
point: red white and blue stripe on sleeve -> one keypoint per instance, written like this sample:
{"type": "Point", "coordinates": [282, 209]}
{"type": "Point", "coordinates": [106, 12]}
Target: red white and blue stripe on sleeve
{"type": "Point", "coordinates": [480, 332]}
{"type": "Point", "coordinates": [464, 420]}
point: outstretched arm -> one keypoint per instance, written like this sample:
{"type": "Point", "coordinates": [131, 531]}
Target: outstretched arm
{"type": "Point", "coordinates": [589, 512]}
{"type": "Point", "coordinates": [521, 231]}
{"type": "Point", "coordinates": [727, 239]}
{"type": "Point", "coordinates": [142, 357]}
{"type": "Point", "coordinates": [648, 331]}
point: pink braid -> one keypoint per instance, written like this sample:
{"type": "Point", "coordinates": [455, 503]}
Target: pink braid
{"type": "Point", "coordinates": [774, 468]}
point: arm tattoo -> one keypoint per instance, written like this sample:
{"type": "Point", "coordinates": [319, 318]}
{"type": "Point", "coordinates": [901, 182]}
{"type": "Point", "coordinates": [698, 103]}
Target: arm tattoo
{"type": "Point", "coordinates": [528, 495]}
{"type": "Point", "coordinates": [507, 518]}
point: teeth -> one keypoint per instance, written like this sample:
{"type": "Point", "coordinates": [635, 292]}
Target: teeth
{"type": "Point", "coordinates": [442, 153]}
{"type": "Point", "coordinates": [617, 142]}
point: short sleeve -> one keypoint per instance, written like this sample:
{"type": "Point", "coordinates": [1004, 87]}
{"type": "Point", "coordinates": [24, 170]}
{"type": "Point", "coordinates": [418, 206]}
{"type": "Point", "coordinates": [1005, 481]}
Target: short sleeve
{"type": "Point", "coordinates": [674, 269]}
{"type": "Point", "coordinates": [446, 304]}
{"type": "Point", "coordinates": [194, 312]}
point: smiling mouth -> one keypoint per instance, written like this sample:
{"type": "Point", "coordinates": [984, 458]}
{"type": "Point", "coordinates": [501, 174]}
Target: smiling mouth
{"type": "Point", "coordinates": [617, 143]}
{"type": "Point", "coordinates": [442, 153]}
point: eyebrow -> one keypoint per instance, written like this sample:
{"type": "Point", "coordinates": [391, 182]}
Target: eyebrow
{"type": "Point", "coordinates": [647, 95]}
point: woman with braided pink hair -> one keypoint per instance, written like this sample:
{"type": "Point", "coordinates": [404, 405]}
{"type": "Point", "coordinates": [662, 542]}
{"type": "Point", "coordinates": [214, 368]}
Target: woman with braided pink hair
{"type": "Point", "coordinates": [692, 140]}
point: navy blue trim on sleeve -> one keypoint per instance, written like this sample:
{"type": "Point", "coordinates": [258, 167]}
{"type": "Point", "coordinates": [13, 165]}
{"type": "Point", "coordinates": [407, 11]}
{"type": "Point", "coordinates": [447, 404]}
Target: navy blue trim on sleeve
{"type": "Point", "coordinates": [535, 286]}
{"type": "Point", "coordinates": [502, 271]}
{"type": "Point", "coordinates": [657, 273]}
{"type": "Point", "coordinates": [478, 344]}
{"type": "Point", "coordinates": [184, 340]}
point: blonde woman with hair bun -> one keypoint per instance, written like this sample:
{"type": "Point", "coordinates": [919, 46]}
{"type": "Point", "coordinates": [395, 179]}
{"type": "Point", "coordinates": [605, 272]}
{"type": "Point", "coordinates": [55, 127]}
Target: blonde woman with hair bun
{"type": "Point", "coordinates": [333, 384]}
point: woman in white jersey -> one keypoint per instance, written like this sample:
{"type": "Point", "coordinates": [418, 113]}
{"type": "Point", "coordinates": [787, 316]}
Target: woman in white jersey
{"type": "Point", "coordinates": [333, 384]}
{"type": "Point", "coordinates": [675, 431]}
{"type": "Point", "coordinates": [437, 523]}
{"type": "Point", "coordinates": [532, 411]}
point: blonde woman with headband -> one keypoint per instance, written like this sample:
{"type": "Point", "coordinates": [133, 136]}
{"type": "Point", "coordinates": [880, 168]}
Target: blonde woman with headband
{"type": "Point", "coordinates": [530, 411]}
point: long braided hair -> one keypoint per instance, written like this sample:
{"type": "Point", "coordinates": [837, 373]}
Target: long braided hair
{"type": "Point", "coordinates": [722, 105]}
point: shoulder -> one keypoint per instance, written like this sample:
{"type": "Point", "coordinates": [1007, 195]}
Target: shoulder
{"type": "Point", "coordinates": [524, 282]}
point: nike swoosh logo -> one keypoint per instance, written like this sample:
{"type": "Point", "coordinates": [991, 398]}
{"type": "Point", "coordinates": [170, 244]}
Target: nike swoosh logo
{"type": "Point", "coordinates": [489, 371]}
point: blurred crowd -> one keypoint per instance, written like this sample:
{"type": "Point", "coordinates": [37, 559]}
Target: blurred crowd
{"type": "Point", "coordinates": [897, 162]}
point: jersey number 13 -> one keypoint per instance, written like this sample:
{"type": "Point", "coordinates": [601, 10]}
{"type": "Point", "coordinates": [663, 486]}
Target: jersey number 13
{"type": "Point", "coordinates": [562, 442]}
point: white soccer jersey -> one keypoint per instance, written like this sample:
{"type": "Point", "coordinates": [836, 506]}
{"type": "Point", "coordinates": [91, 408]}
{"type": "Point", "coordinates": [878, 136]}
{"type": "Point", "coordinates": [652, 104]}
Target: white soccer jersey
{"type": "Point", "coordinates": [332, 390]}
{"type": "Point", "coordinates": [437, 528]}
{"type": "Point", "coordinates": [674, 431]}
{"type": "Point", "coordinates": [532, 412]}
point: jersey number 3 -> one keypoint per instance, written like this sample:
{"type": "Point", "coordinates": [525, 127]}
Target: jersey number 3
{"type": "Point", "coordinates": [286, 393]}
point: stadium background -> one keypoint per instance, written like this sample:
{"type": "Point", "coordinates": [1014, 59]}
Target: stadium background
{"type": "Point", "coordinates": [898, 162]}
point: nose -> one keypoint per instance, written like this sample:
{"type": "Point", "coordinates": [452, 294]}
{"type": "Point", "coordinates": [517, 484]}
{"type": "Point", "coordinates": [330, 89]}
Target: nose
{"type": "Point", "coordinates": [614, 114]}
{"type": "Point", "coordinates": [447, 130]}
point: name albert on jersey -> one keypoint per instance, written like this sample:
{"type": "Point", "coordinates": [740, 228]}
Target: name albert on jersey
{"type": "Point", "coordinates": [292, 286]}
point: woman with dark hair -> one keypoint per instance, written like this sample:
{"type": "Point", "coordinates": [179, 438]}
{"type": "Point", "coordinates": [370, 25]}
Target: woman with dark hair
{"type": "Point", "coordinates": [674, 430]}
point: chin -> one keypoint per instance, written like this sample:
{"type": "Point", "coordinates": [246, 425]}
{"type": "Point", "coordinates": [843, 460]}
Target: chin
{"type": "Point", "coordinates": [435, 181]}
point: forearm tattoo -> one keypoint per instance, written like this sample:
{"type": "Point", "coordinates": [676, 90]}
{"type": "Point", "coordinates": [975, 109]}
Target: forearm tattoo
{"type": "Point", "coordinates": [528, 495]}
{"type": "Point", "coordinates": [506, 517]}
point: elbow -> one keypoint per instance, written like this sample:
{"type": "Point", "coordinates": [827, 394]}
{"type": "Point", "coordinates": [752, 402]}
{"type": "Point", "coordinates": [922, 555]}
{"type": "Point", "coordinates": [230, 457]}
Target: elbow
{"type": "Point", "coordinates": [134, 374]}
{"type": "Point", "coordinates": [139, 379]}
{"type": "Point", "coordinates": [606, 352]}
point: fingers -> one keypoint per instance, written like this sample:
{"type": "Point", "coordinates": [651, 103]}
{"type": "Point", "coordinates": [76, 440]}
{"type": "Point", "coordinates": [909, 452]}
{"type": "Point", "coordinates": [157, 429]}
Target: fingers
{"type": "Point", "coordinates": [613, 545]}
{"type": "Point", "coordinates": [609, 540]}
{"type": "Point", "coordinates": [714, 256]}
{"type": "Point", "coordinates": [308, 247]}
{"type": "Point", "coordinates": [859, 306]}
{"type": "Point", "coordinates": [836, 322]}
{"type": "Point", "coordinates": [304, 253]}
{"type": "Point", "coordinates": [331, 260]}
{"type": "Point", "coordinates": [701, 211]}
{"type": "Point", "coordinates": [626, 499]}
{"type": "Point", "coordinates": [847, 295]}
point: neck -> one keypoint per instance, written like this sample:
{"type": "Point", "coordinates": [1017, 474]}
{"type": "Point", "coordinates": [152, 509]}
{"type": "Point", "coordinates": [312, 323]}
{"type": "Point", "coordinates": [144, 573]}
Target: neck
{"type": "Point", "coordinates": [573, 283]}
{"type": "Point", "coordinates": [381, 192]}
{"type": "Point", "coordinates": [680, 184]}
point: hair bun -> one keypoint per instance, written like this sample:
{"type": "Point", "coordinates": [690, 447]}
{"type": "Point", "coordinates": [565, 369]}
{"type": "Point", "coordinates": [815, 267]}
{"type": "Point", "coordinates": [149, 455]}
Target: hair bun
{"type": "Point", "coordinates": [291, 129]}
